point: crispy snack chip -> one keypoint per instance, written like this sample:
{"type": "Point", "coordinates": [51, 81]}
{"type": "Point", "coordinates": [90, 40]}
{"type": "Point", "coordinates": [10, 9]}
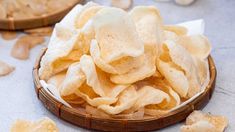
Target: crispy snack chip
{"type": "Point", "coordinates": [175, 77]}
{"type": "Point", "coordinates": [120, 66]}
{"type": "Point", "coordinates": [177, 65]}
{"type": "Point", "coordinates": [125, 101]}
{"type": "Point", "coordinates": [197, 45]}
{"type": "Point", "coordinates": [202, 126]}
{"type": "Point", "coordinates": [73, 80]}
{"type": "Point", "coordinates": [116, 42]}
{"type": "Point", "coordinates": [90, 83]}
{"type": "Point", "coordinates": [202, 68]}
{"type": "Point", "coordinates": [147, 69]}
{"type": "Point", "coordinates": [23, 45]}
{"type": "Point", "coordinates": [165, 87]}
{"type": "Point", "coordinates": [152, 96]}
{"type": "Point", "coordinates": [43, 125]}
{"type": "Point", "coordinates": [98, 80]}
{"type": "Point", "coordinates": [87, 14]}
{"type": "Point", "coordinates": [62, 51]}
{"type": "Point", "coordinates": [148, 23]}
{"type": "Point", "coordinates": [57, 79]}
{"type": "Point", "coordinates": [5, 68]}
{"type": "Point", "coordinates": [198, 121]}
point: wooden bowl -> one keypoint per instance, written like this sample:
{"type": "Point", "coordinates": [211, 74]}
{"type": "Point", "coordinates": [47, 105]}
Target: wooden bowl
{"type": "Point", "coordinates": [79, 118]}
{"type": "Point", "coordinates": [35, 22]}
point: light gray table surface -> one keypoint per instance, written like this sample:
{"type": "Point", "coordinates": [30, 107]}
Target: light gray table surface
{"type": "Point", "coordinates": [18, 99]}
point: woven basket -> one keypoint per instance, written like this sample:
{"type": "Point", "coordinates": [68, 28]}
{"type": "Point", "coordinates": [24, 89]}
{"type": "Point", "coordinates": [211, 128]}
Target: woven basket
{"type": "Point", "coordinates": [79, 118]}
{"type": "Point", "coordinates": [45, 20]}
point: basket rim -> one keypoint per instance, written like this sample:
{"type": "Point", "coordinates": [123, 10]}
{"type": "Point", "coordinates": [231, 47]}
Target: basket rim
{"type": "Point", "coordinates": [201, 100]}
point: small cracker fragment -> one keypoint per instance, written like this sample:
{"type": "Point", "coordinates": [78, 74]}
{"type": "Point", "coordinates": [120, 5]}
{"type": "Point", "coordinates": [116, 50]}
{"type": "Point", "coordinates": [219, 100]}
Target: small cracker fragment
{"type": "Point", "coordinates": [8, 35]}
{"type": "Point", "coordinates": [43, 125]}
{"type": "Point", "coordinates": [22, 46]}
{"type": "Point", "coordinates": [5, 68]}
{"type": "Point", "coordinates": [43, 31]}
{"type": "Point", "coordinates": [202, 126]}
{"type": "Point", "coordinates": [123, 4]}
{"type": "Point", "coordinates": [198, 120]}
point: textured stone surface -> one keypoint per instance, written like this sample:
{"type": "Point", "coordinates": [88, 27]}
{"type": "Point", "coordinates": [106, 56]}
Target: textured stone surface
{"type": "Point", "coordinates": [18, 98]}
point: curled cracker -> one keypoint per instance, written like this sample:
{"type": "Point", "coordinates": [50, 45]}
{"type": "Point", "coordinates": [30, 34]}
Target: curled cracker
{"type": "Point", "coordinates": [197, 45]}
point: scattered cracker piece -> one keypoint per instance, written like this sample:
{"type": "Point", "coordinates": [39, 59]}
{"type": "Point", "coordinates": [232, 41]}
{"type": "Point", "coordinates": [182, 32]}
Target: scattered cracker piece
{"type": "Point", "coordinates": [23, 45]}
{"type": "Point", "coordinates": [124, 4]}
{"type": "Point", "coordinates": [8, 35]}
{"type": "Point", "coordinates": [200, 126]}
{"type": "Point", "coordinates": [203, 122]}
{"type": "Point", "coordinates": [43, 125]}
{"type": "Point", "coordinates": [5, 69]}
{"type": "Point", "coordinates": [43, 31]}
